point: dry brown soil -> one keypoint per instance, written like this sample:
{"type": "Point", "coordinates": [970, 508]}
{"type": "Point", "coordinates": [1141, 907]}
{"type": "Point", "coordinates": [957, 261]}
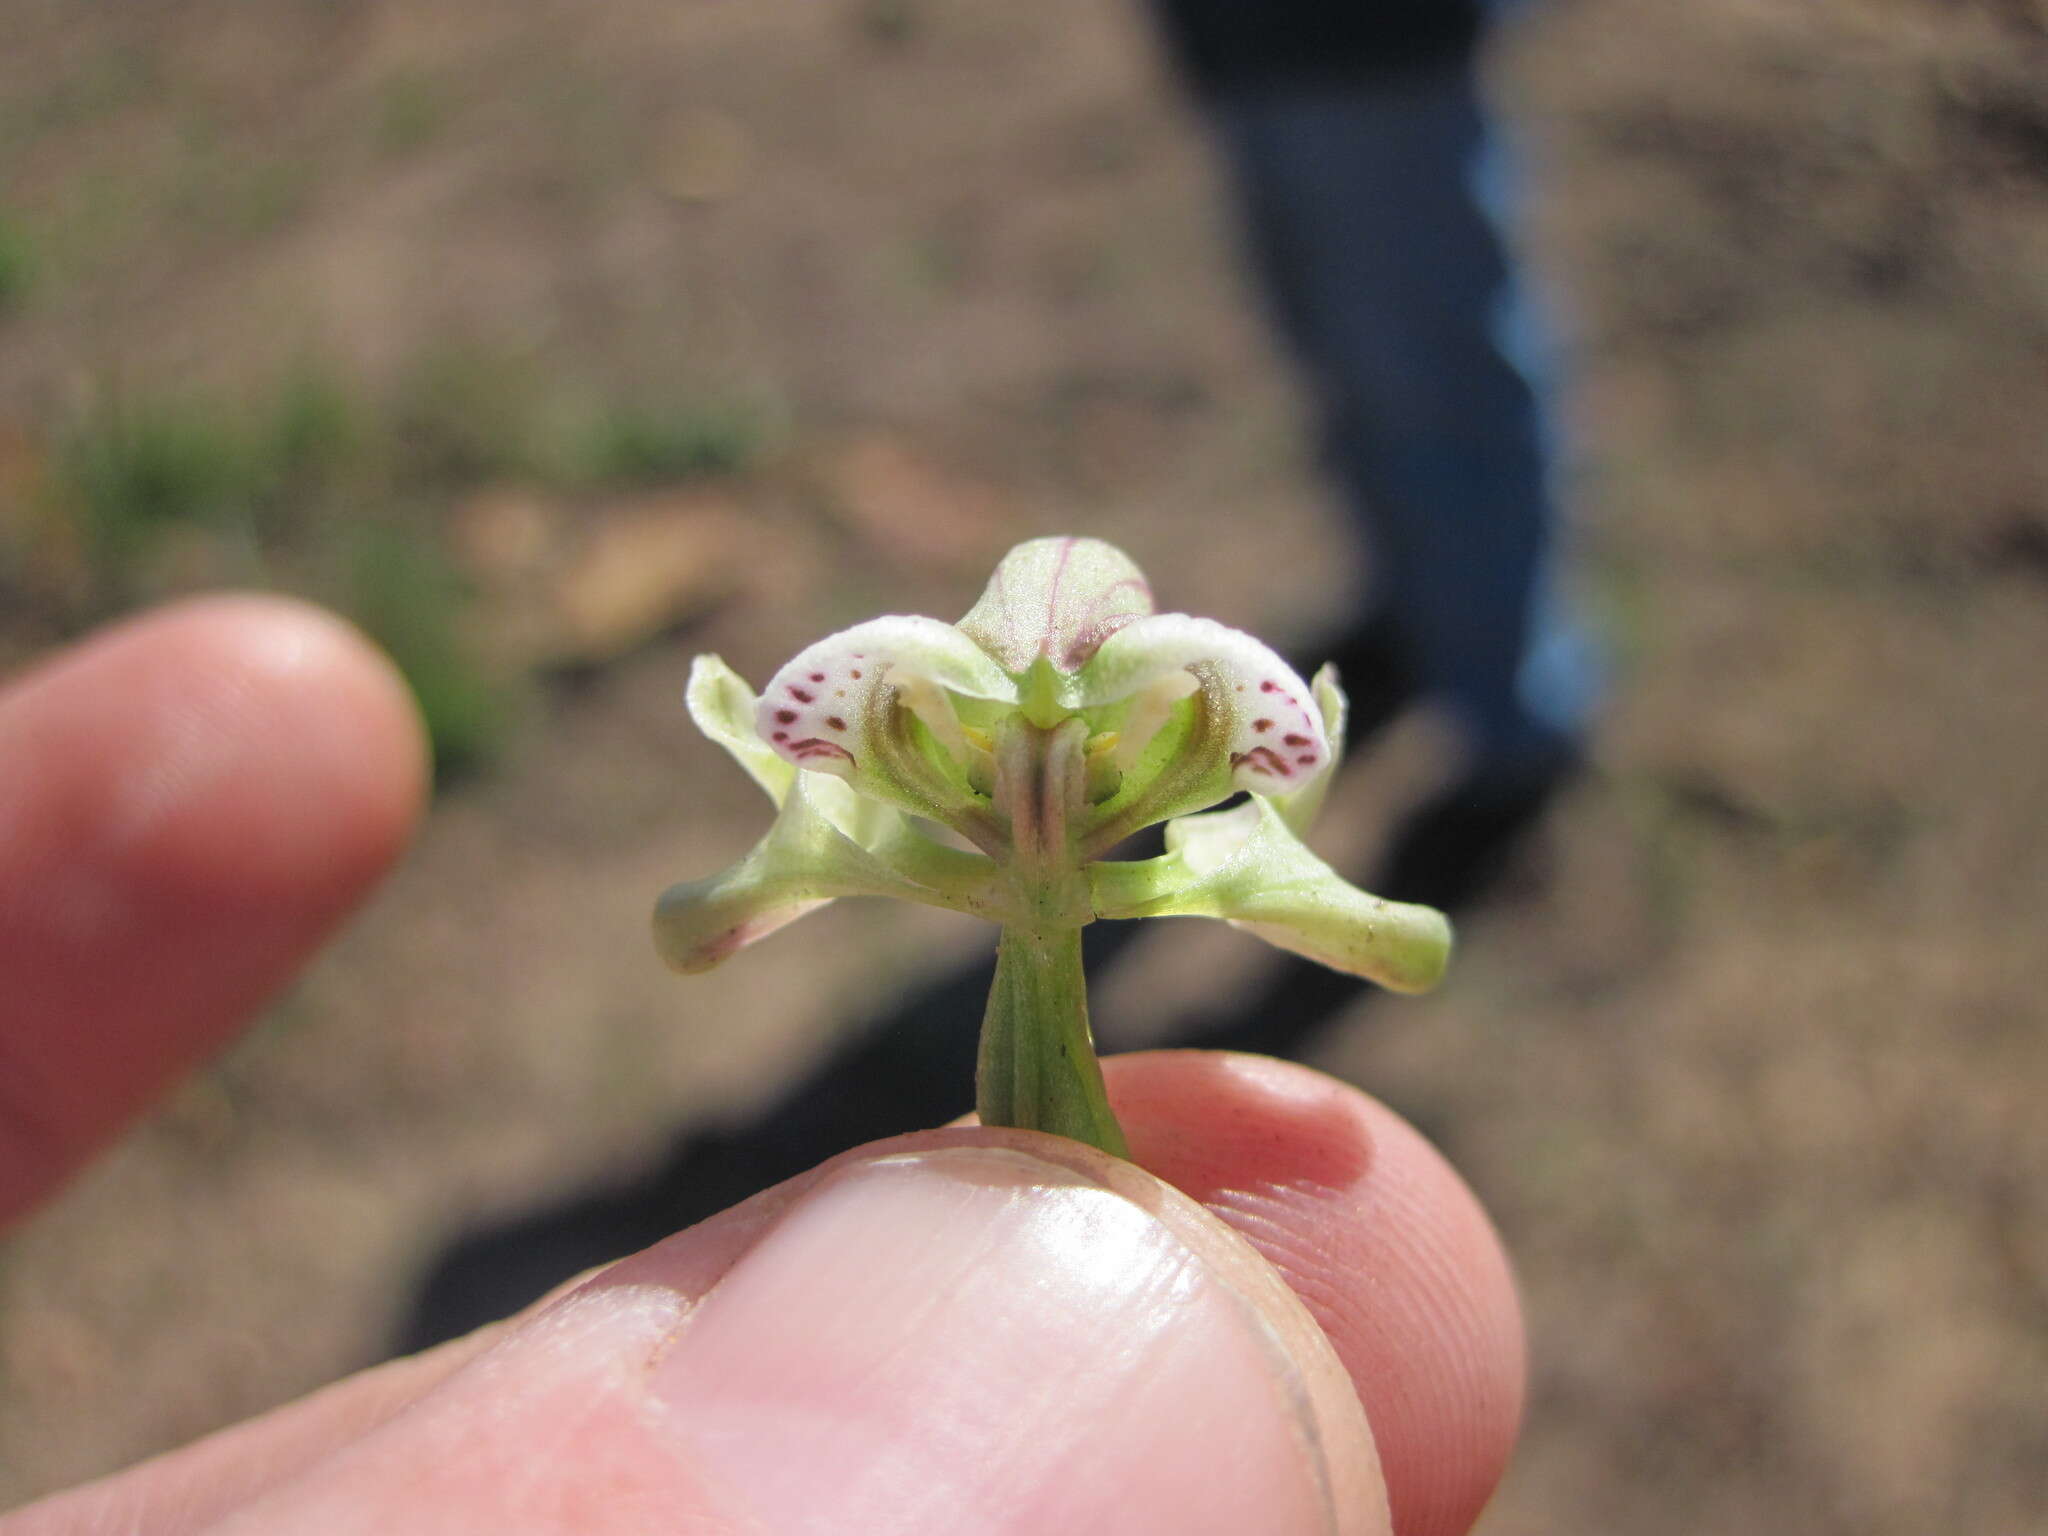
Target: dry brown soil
{"type": "Point", "coordinates": [1751, 1068]}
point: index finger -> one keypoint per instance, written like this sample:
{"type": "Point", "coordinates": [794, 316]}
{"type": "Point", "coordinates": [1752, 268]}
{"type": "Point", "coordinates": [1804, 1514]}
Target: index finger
{"type": "Point", "coordinates": [189, 803]}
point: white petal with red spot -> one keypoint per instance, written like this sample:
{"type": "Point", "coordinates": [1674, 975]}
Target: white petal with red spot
{"type": "Point", "coordinates": [820, 709]}
{"type": "Point", "coordinates": [1277, 740]}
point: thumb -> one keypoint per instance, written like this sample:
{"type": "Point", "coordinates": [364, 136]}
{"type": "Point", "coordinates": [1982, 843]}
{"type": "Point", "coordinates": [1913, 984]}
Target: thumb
{"type": "Point", "coordinates": [966, 1329]}
{"type": "Point", "coordinates": [1023, 1329]}
{"type": "Point", "coordinates": [962, 1329]}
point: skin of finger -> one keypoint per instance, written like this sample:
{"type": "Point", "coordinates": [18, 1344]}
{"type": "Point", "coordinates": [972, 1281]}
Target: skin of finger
{"type": "Point", "coordinates": [190, 802]}
{"type": "Point", "coordinates": [195, 1487]}
{"type": "Point", "coordinates": [190, 1489]}
{"type": "Point", "coordinates": [1233, 1127]}
{"type": "Point", "coordinates": [1371, 1227]}
{"type": "Point", "coordinates": [552, 1428]}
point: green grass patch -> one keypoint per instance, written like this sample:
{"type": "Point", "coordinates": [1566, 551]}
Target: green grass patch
{"type": "Point", "coordinates": [136, 467]}
{"type": "Point", "coordinates": [20, 263]}
{"type": "Point", "coordinates": [316, 432]}
{"type": "Point", "coordinates": [639, 446]}
{"type": "Point", "coordinates": [891, 23]}
{"type": "Point", "coordinates": [410, 112]}
{"type": "Point", "coordinates": [104, 82]}
{"type": "Point", "coordinates": [318, 487]}
{"type": "Point", "coordinates": [464, 414]}
{"type": "Point", "coordinates": [408, 599]}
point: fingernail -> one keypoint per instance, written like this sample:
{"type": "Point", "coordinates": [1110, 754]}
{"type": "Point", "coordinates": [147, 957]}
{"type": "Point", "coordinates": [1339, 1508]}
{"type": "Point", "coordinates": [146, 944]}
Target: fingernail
{"type": "Point", "coordinates": [976, 1339]}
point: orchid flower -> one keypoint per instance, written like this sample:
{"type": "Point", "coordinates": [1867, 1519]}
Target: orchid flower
{"type": "Point", "coordinates": [1057, 718]}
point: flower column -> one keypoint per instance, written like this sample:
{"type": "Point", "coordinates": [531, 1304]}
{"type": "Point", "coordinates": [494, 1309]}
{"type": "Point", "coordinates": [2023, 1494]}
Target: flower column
{"type": "Point", "coordinates": [1037, 1066]}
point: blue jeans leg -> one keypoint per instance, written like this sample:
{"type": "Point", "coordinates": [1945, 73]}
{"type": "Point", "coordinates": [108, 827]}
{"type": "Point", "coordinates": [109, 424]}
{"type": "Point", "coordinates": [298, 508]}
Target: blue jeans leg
{"type": "Point", "coordinates": [1366, 214]}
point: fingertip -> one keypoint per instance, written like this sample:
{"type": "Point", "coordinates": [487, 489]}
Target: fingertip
{"type": "Point", "coordinates": [227, 745]}
{"type": "Point", "coordinates": [1377, 1234]}
{"type": "Point", "coordinates": [192, 800]}
{"type": "Point", "coordinates": [316, 766]}
{"type": "Point", "coordinates": [1217, 1117]}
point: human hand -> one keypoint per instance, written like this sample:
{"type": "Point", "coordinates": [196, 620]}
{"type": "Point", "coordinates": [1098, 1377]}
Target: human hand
{"type": "Point", "coordinates": [959, 1329]}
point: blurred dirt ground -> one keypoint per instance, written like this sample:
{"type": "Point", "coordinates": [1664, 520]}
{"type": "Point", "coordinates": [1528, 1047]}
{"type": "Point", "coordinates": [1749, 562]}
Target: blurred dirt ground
{"type": "Point", "coordinates": [1750, 1068]}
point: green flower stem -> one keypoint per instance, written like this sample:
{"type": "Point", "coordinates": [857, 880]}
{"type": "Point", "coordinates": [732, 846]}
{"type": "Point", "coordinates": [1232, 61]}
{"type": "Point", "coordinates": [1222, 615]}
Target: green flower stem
{"type": "Point", "coordinates": [1038, 1070]}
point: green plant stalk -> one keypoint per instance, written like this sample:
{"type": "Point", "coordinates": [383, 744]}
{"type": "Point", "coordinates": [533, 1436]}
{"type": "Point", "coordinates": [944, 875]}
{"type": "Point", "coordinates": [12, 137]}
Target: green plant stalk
{"type": "Point", "coordinates": [1038, 1070]}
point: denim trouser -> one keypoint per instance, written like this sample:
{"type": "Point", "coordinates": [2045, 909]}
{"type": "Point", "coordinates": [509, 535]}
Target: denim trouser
{"type": "Point", "coordinates": [1370, 214]}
